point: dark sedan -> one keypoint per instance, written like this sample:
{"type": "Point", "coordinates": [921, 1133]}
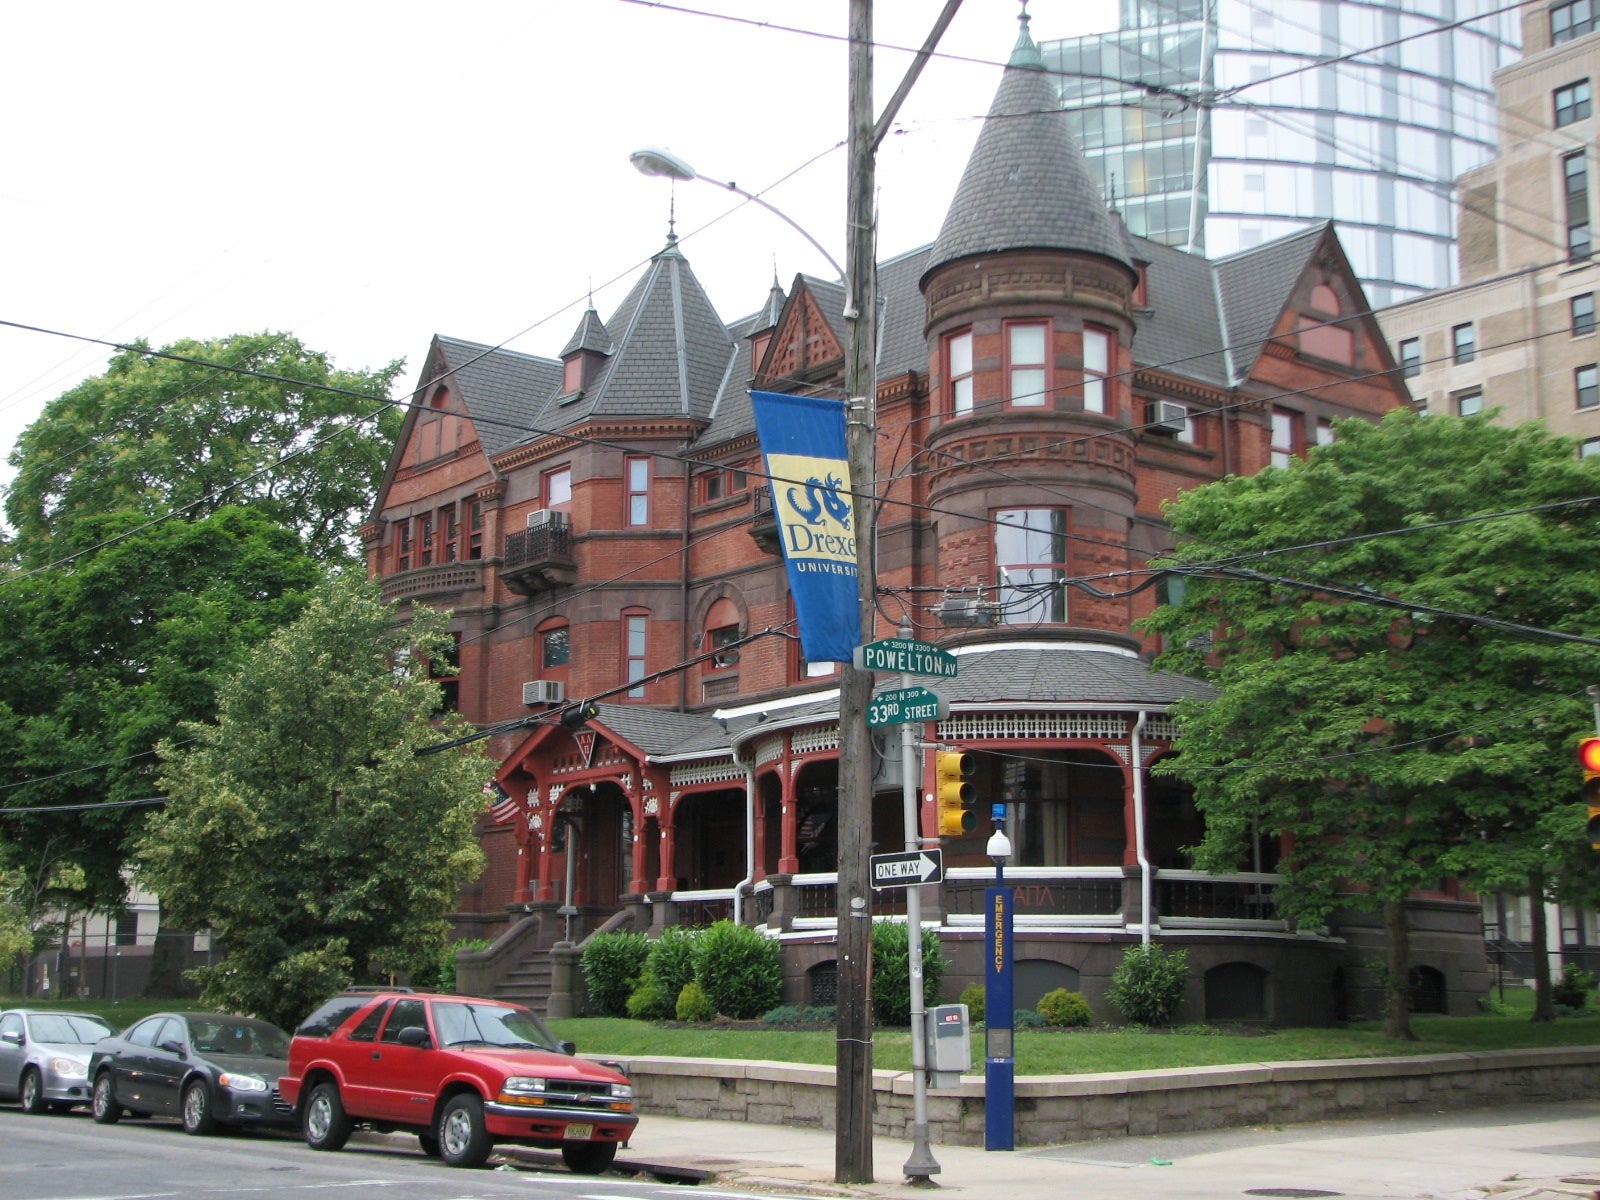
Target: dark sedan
{"type": "Point", "coordinates": [206, 1069]}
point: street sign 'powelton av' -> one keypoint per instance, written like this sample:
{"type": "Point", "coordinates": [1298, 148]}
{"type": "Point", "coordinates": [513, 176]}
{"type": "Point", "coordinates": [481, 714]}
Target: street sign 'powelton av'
{"type": "Point", "coordinates": [907, 869]}
{"type": "Point", "coordinates": [907, 656]}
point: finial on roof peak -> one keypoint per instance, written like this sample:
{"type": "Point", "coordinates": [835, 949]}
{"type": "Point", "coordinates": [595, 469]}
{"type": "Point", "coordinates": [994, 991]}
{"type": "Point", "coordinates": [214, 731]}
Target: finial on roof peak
{"type": "Point", "coordinates": [1025, 53]}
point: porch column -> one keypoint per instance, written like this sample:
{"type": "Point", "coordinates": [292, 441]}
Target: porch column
{"type": "Point", "coordinates": [1130, 814]}
{"type": "Point", "coordinates": [547, 828]}
{"type": "Point", "coordinates": [526, 843]}
{"type": "Point", "coordinates": [789, 833]}
{"type": "Point", "coordinates": [667, 881]}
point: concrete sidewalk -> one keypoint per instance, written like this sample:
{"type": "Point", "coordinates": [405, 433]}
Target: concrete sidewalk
{"type": "Point", "coordinates": [1519, 1153]}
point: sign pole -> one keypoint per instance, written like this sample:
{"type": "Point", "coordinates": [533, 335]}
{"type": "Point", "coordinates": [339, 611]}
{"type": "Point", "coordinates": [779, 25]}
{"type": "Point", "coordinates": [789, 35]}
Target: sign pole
{"type": "Point", "coordinates": [921, 1164]}
{"type": "Point", "coordinates": [999, 1067]}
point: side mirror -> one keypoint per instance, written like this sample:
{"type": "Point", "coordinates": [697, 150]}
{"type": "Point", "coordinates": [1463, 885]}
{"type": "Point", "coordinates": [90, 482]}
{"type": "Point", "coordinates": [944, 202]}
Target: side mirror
{"type": "Point", "coordinates": [12, 1037]}
{"type": "Point", "coordinates": [414, 1035]}
{"type": "Point", "coordinates": [172, 1048]}
{"type": "Point", "coordinates": [569, 1047]}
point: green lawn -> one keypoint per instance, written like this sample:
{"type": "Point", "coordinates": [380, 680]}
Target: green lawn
{"type": "Point", "coordinates": [1047, 1052]}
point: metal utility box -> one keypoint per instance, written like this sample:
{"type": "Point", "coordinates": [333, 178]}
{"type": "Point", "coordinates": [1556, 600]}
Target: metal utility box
{"type": "Point", "coordinates": [949, 1044]}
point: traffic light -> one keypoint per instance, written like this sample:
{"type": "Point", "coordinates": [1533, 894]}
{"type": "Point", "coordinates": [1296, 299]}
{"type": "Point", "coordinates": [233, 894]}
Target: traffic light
{"type": "Point", "coordinates": [1589, 760]}
{"type": "Point", "coordinates": [953, 771]}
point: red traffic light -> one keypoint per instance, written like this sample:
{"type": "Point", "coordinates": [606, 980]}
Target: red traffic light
{"type": "Point", "coordinates": [1589, 755]}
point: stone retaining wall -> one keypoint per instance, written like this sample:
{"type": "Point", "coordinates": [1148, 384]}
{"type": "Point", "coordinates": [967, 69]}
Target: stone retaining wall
{"type": "Point", "coordinates": [1066, 1108]}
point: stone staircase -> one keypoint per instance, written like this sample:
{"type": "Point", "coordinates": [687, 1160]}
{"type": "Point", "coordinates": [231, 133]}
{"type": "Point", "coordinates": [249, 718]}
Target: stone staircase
{"type": "Point", "coordinates": [528, 983]}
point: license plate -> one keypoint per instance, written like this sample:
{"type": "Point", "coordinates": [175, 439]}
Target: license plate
{"type": "Point", "coordinates": [576, 1131]}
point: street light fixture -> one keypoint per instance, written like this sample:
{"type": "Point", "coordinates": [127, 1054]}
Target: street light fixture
{"type": "Point", "coordinates": [655, 161]}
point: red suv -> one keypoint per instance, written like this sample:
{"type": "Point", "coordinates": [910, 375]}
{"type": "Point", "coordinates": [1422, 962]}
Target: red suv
{"type": "Point", "coordinates": [461, 1073]}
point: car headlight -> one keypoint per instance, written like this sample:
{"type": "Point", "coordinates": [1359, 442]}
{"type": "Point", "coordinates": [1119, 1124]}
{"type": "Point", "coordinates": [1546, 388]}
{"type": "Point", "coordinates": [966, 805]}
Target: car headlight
{"type": "Point", "coordinates": [526, 1085]}
{"type": "Point", "coordinates": [68, 1068]}
{"type": "Point", "coordinates": [621, 1091]}
{"type": "Point", "coordinates": [242, 1083]}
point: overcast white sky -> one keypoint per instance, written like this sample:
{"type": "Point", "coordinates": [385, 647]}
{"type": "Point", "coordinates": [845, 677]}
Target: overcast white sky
{"type": "Point", "coordinates": [366, 174]}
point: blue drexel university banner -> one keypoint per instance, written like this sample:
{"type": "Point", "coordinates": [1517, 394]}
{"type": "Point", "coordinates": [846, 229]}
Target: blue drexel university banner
{"type": "Point", "coordinates": [803, 441]}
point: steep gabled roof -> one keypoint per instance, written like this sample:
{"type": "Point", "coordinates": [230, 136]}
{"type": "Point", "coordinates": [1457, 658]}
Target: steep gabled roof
{"type": "Point", "coordinates": [1026, 185]}
{"type": "Point", "coordinates": [1253, 286]}
{"type": "Point", "coordinates": [669, 354]}
{"type": "Point", "coordinates": [501, 389]}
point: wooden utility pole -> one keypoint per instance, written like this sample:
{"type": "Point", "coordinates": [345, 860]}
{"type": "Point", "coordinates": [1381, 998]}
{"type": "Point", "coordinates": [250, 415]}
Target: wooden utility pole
{"type": "Point", "coordinates": [853, 1073]}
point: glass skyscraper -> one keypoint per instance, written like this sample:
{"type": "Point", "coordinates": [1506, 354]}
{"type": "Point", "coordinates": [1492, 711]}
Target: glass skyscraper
{"type": "Point", "coordinates": [1216, 125]}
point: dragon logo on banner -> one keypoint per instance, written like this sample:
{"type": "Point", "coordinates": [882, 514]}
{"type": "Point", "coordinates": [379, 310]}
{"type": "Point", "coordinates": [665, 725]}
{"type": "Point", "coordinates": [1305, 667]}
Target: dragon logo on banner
{"type": "Point", "coordinates": [803, 441]}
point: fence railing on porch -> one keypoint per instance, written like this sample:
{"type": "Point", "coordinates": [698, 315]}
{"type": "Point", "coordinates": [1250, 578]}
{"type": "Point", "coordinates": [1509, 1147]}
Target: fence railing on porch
{"type": "Point", "coordinates": [1045, 898]}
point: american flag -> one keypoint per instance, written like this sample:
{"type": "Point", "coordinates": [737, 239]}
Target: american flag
{"type": "Point", "coordinates": [505, 806]}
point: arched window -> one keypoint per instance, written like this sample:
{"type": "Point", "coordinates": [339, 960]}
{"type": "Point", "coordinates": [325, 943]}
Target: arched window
{"type": "Point", "coordinates": [1236, 991]}
{"type": "Point", "coordinates": [635, 645]}
{"type": "Point", "coordinates": [721, 629]}
{"type": "Point", "coordinates": [554, 649]}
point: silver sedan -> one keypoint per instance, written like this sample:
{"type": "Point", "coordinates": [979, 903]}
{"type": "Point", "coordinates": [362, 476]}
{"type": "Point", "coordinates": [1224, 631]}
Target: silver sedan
{"type": "Point", "coordinates": [44, 1056]}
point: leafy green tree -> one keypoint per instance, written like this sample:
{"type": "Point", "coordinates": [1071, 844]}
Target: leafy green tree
{"type": "Point", "coordinates": [254, 419]}
{"type": "Point", "coordinates": [111, 655]}
{"type": "Point", "coordinates": [305, 830]}
{"type": "Point", "coordinates": [165, 516]}
{"type": "Point", "coordinates": [1384, 624]}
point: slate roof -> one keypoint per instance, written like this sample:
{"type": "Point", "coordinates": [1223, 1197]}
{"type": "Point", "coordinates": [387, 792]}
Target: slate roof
{"type": "Point", "coordinates": [1026, 184]}
{"type": "Point", "coordinates": [500, 388]}
{"type": "Point", "coordinates": [590, 335]}
{"type": "Point", "coordinates": [669, 357]}
{"type": "Point", "coordinates": [1066, 674]}
{"type": "Point", "coordinates": [1253, 285]}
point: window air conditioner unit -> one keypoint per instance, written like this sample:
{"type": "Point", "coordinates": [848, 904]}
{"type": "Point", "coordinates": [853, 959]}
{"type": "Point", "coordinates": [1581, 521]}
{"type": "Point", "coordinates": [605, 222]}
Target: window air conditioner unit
{"type": "Point", "coordinates": [541, 518]}
{"type": "Point", "coordinates": [1165, 416]}
{"type": "Point", "coordinates": [544, 691]}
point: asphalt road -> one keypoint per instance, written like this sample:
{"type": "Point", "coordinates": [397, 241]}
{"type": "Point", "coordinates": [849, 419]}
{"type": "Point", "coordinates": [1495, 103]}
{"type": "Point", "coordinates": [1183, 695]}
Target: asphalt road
{"type": "Point", "coordinates": [1521, 1152]}
{"type": "Point", "coordinates": [69, 1157]}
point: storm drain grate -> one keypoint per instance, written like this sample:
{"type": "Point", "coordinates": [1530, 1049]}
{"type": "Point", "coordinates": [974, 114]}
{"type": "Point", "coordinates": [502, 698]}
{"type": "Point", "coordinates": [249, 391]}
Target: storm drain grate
{"type": "Point", "coordinates": [1291, 1193]}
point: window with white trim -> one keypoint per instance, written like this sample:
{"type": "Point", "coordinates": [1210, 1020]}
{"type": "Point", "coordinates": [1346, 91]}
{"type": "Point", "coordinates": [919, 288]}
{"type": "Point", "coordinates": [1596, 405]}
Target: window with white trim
{"type": "Point", "coordinates": [958, 361]}
{"type": "Point", "coordinates": [1096, 366]}
{"type": "Point", "coordinates": [1027, 376]}
{"type": "Point", "coordinates": [1030, 558]}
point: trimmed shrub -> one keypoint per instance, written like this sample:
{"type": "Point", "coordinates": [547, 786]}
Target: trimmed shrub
{"type": "Point", "coordinates": [801, 1014]}
{"type": "Point", "coordinates": [612, 964]}
{"type": "Point", "coordinates": [671, 960]}
{"type": "Point", "coordinates": [1573, 989]}
{"type": "Point", "coordinates": [973, 997]}
{"type": "Point", "coordinates": [651, 1001]}
{"type": "Point", "coordinates": [1147, 986]}
{"type": "Point", "coordinates": [1065, 1009]}
{"type": "Point", "coordinates": [891, 971]}
{"type": "Point", "coordinates": [1027, 1018]}
{"type": "Point", "coordinates": [738, 969]}
{"type": "Point", "coordinates": [693, 1005]}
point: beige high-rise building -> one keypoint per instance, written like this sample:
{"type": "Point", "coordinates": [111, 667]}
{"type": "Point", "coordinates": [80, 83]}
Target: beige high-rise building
{"type": "Point", "coordinates": [1517, 336]}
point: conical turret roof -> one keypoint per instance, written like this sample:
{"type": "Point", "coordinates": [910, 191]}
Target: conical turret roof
{"type": "Point", "coordinates": [1027, 185]}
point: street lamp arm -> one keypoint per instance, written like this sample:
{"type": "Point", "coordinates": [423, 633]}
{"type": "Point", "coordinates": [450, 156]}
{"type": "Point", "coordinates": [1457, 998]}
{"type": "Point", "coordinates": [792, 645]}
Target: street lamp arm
{"type": "Point", "coordinates": [653, 160]}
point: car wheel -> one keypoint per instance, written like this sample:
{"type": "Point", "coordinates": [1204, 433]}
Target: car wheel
{"type": "Point", "coordinates": [103, 1103]}
{"type": "Point", "coordinates": [588, 1158]}
{"type": "Point", "coordinates": [325, 1124]}
{"type": "Point", "coordinates": [429, 1144]}
{"type": "Point", "coordinates": [31, 1094]}
{"type": "Point", "coordinates": [199, 1118]}
{"type": "Point", "coordinates": [463, 1139]}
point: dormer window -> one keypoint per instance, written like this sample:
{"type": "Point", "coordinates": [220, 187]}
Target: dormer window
{"type": "Point", "coordinates": [572, 374]}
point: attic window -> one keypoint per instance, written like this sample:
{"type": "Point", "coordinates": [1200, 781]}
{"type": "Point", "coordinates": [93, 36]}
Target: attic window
{"type": "Point", "coordinates": [1141, 286]}
{"type": "Point", "coordinates": [572, 374]}
{"type": "Point", "coordinates": [758, 349]}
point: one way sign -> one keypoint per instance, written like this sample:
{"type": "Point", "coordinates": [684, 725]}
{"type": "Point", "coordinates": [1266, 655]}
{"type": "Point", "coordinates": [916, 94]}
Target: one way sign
{"type": "Point", "coordinates": [907, 869]}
